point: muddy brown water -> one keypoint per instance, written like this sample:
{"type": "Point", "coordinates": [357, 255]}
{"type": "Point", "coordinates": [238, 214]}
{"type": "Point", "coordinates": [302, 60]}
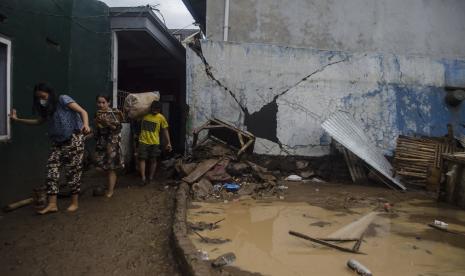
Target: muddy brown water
{"type": "Point", "coordinates": [395, 244]}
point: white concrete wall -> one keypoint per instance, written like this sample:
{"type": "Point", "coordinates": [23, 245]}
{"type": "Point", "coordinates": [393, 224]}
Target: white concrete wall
{"type": "Point", "coordinates": [388, 94]}
{"type": "Point", "coordinates": [429, 27]}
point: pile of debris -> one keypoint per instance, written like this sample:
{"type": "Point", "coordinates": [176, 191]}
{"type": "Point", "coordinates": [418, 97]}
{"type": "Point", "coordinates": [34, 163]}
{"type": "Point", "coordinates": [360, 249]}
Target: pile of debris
{"type": "Point", "coordinates": [222, 168]}
{"type": "Point", "coordinates": [215, 173]}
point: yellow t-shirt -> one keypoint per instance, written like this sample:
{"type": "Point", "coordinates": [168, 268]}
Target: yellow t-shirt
{"type": "Point", "coordinates": [150, 128]}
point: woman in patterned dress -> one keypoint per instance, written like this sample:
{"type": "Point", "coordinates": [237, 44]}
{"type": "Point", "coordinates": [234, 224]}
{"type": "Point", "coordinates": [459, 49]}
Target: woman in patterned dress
{"type": "Point", "coordinates": [108, 152]}
{"type": "Point", "coordinates": [67, 122]}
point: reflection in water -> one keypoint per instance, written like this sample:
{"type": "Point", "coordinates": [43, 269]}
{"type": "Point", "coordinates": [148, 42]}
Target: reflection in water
{"type": "Point", "coordinates": [397, 244]}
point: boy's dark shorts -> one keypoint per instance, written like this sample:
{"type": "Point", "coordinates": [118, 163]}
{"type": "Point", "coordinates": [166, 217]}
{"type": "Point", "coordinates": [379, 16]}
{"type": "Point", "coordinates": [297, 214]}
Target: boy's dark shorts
{"type": "Point", "coordinates": [148, 152]}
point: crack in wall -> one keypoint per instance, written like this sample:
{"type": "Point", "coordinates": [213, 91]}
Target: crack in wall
{"type": "Point", "coordinates": [197, 48]}
{"type": "Point", "coordinates": [319, 70]}
{"type": "Point", "coordinates": [254, 121]}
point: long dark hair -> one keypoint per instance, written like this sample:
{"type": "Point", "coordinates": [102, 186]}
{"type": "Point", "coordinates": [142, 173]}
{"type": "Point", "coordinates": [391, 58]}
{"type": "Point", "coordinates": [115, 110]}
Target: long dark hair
{"type": "Point", "coordinates": [47, 111]}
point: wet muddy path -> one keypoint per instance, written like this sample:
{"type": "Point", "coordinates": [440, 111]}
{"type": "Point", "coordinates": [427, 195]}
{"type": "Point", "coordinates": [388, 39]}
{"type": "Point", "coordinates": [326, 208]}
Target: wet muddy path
{"type": "Point", "coordinates": [395, 243]}
{"type": "Point", "coordinates": [126, 235]}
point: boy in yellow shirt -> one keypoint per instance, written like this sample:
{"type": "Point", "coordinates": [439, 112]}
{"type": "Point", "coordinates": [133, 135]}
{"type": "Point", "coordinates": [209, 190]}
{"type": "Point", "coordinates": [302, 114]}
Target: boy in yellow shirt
{"type": "Point", "coordinates": [149, 140]}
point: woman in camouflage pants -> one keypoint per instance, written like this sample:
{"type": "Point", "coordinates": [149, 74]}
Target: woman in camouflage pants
{"type": "Point", "coordinates": [67, 122]}
{"type": "Point", "coordinates": [108, 154]}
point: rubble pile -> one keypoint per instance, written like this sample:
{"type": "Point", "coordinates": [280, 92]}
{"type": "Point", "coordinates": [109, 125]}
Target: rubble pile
{"type": "Point", "coordinates": [214, 173]}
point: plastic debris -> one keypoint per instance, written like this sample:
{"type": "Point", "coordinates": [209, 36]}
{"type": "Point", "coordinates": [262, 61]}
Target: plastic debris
{"type": "Point", "coordinates": [293, 177]}
{"type": "Point", "coordinates": [224, 259]}
{"type": "Point", "coordinates": [231, 187]}
{"type": "Point", "coordinates": [441, 224]}
{"type": "Point", "coordinates": [203, 255]}
{"type": "Point", "coordinates": [359, 268]}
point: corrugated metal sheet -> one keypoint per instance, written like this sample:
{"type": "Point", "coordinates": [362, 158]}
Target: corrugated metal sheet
{"type": "Point", "coordinates": [343, 128]}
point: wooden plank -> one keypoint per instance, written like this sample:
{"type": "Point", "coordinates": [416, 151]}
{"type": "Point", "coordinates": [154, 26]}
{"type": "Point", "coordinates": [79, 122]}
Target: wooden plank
{"type": "Point", "coordinates": [305, 237]}
{"type": "Point", "coordinates": [201, 169]}
{"type": "Point", "coordinates": [18, 204]}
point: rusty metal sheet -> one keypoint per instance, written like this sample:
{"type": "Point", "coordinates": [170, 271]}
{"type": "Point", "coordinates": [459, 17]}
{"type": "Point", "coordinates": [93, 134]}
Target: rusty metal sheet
{"type": "Point", "coordinates": [344, 129]}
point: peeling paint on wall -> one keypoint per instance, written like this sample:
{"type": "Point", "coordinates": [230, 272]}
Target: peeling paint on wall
{"type": "Point", "coordinates": [283, 94]}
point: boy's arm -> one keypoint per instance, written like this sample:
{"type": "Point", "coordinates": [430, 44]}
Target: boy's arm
{"type": "Point", "coordinates": [167, 137]}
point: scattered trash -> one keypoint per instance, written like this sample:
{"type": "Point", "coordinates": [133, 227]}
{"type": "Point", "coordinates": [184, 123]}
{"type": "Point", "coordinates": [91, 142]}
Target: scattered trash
{"type": "Point", "coordinates": [217, 188]}
{"type": "Point", "coordinates": [293, 177]}
{"type": "Point", "coordinates": [282, 187]}
{"type": "Point", "coordinates": [203, 255]}
{"type": "Point", "coordinates": [387, 207]}
{"type": "Point", "coordinates": [307, 174]}
{"type": "Point", "coordinates": [231, 187]}
{"type": "Point", "coordinates": [224, 259]}
{"type": "Point", "coordinates": [202, 188]}
{"type": "Point", "coordinates": [359, 268]}
{"type": "Point", "coordinates": [444, 228]}
{"type": "Point", "coordinates": [440, 224]}
{"type": "Point", "coordinates": [316, 179]}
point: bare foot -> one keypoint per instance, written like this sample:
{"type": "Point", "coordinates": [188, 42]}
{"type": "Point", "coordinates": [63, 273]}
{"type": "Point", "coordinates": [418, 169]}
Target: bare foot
{"type": "Point", "coordinates": [108, 194]}
{"type": "Point", "coordinates": [72, 208]}
{"type": "Point", "coordinates": [51, 208]}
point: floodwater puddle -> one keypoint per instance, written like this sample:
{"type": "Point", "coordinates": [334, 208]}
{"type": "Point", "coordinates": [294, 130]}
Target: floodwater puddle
{"type": "Point", "coordinates": [397, 244]}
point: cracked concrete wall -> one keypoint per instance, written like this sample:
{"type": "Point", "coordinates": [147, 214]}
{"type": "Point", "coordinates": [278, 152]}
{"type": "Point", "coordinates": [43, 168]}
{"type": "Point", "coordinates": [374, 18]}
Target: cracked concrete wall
{"type": "Point", "coordinates": [406, 27]}
{"type": "Point", "coordinates": [283, 94]}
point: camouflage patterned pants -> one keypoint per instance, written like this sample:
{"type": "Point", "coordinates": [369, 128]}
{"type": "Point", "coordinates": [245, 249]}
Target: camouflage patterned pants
{"type": "Point", "coordinates": [70, 155]}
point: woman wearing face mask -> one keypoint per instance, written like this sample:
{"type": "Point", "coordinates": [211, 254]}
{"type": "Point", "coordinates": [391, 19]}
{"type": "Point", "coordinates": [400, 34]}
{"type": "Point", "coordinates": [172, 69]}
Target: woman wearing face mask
{"type": "Point", "coordinates": [108, 154]}
{"type": "Point", "coordinates": [67, 122]}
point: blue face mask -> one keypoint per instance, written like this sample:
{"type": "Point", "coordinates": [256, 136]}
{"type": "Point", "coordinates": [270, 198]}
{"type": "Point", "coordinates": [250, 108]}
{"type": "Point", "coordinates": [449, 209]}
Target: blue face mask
{"type": "Point", "coordinates": [43, 103]}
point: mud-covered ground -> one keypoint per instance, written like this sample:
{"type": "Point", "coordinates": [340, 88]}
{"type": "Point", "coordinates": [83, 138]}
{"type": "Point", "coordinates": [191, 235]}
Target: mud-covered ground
{"type": "Point", "coordinates": [128, 234]}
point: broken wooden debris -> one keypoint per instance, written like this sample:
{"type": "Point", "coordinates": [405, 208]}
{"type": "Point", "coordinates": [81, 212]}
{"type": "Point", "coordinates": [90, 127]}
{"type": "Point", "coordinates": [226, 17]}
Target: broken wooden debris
{"type": "Point", "coordinates": [200, 226]}
{"type": "Point", "coordinates": [200, 170]}
{"type": "Point", "coordinates": [358, 243]}
{"type": "Point", "coordinates": [201, 237]}
{"type": "Point", "coordinates": [418, 159]}
{"type": "Point", "coordinates": [338, 240]}
{"type": "Point", "coordinates": [230, 135]}
{"type": "Point", "coordinates": [322, 242]}
{"type": "Point", "coordinates": [18, 204]}
{"type": "Point", "coordinates": [355, 165]}
{"type": "Point", "coordinates": [215, 240]}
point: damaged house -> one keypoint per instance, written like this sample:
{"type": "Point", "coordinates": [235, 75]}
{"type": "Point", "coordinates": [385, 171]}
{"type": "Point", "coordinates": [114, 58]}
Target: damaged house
{"type": "Point", "coordinates": [279, 69]}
